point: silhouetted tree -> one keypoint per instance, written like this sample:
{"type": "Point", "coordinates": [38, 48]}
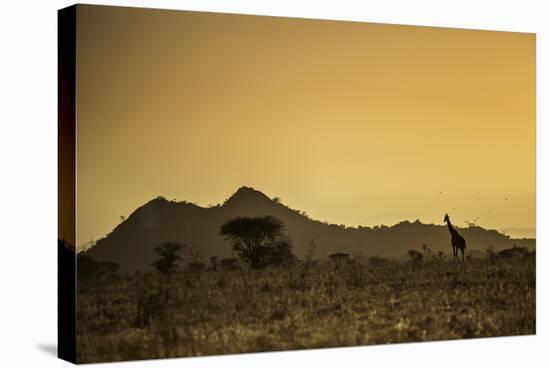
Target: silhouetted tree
{"type": "Point", "coordinates": [169, 257]}
{"type": "Point", "coordinates": [416, 258]}
{"type": "Point", "coordinates": [258, 241]}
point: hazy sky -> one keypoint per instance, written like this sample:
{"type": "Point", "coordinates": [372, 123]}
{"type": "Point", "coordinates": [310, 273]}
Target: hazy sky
{"type": "Point", "coordinates": [354, 123]}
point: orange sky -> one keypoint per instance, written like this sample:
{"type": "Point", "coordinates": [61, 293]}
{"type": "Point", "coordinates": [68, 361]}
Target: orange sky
{"type": "Point", "coordinates": [354, 123]}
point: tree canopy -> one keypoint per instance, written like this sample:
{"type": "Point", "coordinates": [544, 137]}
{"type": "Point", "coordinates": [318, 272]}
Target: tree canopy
{"type": "Point", "coordinates": [258, 241]}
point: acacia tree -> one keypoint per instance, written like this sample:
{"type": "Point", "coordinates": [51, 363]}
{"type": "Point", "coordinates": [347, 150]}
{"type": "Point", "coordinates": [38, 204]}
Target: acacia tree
{"type": "Point", "coordinates": [258, 241]}
{"type": "Point", "coordinates": [169, 258]}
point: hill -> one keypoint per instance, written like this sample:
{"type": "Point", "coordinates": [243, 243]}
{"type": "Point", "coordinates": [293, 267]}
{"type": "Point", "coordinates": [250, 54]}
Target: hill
{"type": "Point", "coordinates": [131, 244]}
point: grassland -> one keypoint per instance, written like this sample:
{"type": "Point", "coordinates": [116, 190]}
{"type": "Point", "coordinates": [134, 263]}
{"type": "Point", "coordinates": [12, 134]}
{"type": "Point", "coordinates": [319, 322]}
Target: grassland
{"type": "Point", "coordinates": [308, 306]}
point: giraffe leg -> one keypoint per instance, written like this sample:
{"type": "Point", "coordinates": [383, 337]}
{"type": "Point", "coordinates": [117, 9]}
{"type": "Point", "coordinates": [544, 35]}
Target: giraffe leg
{"type": "Point", "coordinates": [462, 251]}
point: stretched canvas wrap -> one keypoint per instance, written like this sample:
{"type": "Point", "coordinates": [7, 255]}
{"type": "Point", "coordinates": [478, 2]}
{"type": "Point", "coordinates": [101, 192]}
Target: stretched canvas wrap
{"type": "Point", "coordinates": [234, 183]}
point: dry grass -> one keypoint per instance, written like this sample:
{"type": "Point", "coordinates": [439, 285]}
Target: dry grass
{"type": "Point", "coordinates": [147, 316]}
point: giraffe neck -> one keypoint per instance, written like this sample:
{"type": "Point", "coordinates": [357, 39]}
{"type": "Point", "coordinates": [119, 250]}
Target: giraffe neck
{"type": "Point", "coordinates": [451, 228]}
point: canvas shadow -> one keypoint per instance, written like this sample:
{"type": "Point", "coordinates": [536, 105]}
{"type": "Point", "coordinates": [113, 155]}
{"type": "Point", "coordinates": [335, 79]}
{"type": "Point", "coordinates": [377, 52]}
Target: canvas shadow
{"type": "Point", "coordinates": [50, 349]}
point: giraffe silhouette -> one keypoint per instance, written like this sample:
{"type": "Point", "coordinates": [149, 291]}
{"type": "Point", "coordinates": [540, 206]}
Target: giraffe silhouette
{"type": "Point", "coordinates": [457, 241]}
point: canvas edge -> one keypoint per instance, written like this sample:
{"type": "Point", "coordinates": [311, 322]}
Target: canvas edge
{"type": "Point", "coordinates": [66, 251]}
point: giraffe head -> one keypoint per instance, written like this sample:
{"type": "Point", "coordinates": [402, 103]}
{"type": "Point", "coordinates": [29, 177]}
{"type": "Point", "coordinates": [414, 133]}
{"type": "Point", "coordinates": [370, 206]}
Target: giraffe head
{"type": "Point", "coordinates": [446, 219]}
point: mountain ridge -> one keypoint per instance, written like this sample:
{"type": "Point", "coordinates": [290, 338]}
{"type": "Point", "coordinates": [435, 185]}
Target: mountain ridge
{"type": "Point", "coordinates": [132, 242]}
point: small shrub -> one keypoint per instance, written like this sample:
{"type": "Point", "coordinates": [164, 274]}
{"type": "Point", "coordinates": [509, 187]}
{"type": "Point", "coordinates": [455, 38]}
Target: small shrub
{"type": "Point", "coordinates": [416, 258]}
{"type": "Point", "coordinates": [169, 258]}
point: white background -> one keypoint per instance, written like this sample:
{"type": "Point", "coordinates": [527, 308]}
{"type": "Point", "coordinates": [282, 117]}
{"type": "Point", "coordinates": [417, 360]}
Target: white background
{"type": "Point", "coordinates": [28, 182]}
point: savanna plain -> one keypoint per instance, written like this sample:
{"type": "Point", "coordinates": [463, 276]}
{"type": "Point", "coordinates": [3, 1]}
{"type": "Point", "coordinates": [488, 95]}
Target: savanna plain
{"type": "Point", "coordinates": [314, 303]}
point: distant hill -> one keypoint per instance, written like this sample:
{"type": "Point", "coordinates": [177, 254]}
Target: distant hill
{"type": "Point", "coordinates": [520, 232]}
{"type": "Point", "coordinates": [132, 243]}
{"type": "Point", "coordinates": [85, 246]}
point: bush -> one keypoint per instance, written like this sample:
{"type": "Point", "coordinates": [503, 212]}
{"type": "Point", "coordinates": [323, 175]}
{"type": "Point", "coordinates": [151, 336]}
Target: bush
{"type": "Point", "coordinates": [169, 259]}
{"type": "Point", "coordinates": [416, 258]}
